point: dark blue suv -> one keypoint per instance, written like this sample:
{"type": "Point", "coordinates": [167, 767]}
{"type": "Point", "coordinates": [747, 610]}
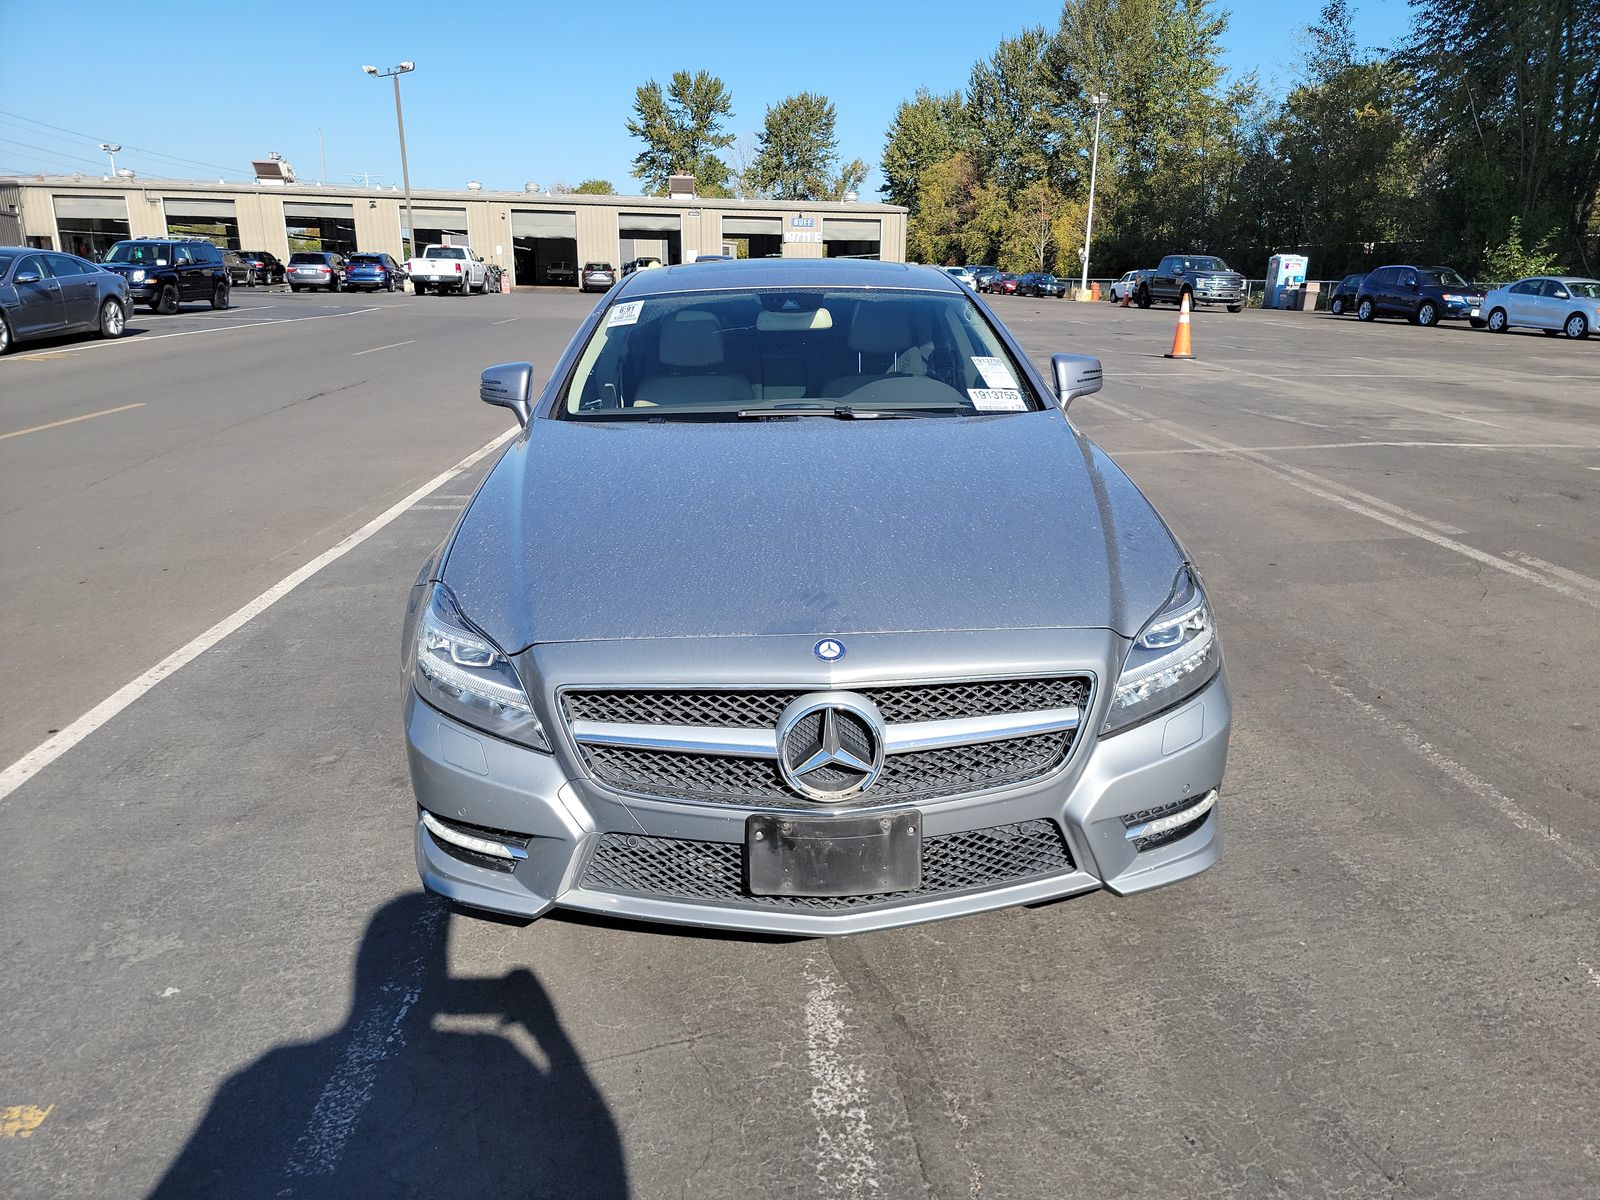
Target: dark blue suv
{"type": "Point", "coordinates": [369, 272]}
{"type": "Point", "coordinates": [165, 272]}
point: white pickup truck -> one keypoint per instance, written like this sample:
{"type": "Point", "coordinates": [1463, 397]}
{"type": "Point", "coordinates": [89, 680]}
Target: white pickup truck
{"type": "Point", "coordinates": [448, 269]}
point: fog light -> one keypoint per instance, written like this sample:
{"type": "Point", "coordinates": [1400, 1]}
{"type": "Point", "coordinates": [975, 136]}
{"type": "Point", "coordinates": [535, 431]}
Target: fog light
{"type": "Point", "coordinates": [1167, 824]}
{"type": "Point", "coordinates": [467, 841]}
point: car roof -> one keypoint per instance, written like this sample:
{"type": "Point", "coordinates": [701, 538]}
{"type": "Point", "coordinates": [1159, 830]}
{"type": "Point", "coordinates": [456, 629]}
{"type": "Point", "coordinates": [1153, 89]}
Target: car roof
{"type": "Point", "coordinates": [787, 272]}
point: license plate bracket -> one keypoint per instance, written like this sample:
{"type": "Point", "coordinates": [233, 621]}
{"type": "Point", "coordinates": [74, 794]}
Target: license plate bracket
{"type": "Point", "coordinates": [863, 855]}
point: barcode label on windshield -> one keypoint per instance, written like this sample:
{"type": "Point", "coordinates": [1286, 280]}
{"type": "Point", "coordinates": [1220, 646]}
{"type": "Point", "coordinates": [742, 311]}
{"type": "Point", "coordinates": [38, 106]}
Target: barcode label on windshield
{"type": "Point", "coordinates": [625, 314]}
{"type": "Point", "coordinates": [995, 373]}
{"type": "Point", "coordinates": [997, 400]}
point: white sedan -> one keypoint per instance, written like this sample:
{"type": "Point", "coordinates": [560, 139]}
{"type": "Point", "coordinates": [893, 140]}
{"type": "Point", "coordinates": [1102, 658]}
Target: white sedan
{"type": "Point", "coordinates": [1556, 304]}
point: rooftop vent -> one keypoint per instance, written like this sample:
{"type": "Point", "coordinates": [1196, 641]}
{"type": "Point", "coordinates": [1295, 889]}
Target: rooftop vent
{"type": "Point", "coordinates": [680, 187]}
{"type": "Point", "coordinates": [273, 169]}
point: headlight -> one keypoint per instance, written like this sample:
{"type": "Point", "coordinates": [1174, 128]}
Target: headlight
{"type": "Point", "coordinates": [137, 276]}
{"type": "Point", "coordinates": [1175, 655]}
{"type": "Point", "coordinates": [461, 672]}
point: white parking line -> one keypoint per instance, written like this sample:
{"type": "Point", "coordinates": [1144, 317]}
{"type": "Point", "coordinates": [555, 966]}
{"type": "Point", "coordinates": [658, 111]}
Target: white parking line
{"type": "Point", "coordinates": [1360, 502]}
{"type": "Point", "coordinates": [104, 412]}
{"type": "Point", "coordinates": [42, 755]}
{"type": "Point", "coordinates": [507, 321]}
{"type": "Point", "coordinates": [390, 346]}
{"type": "Point", "coordinates": [846, 1163]}
{"type": "Point", "coordinates": [157, 337]}
{"type": "Point", "coordinates": [377, 1033]}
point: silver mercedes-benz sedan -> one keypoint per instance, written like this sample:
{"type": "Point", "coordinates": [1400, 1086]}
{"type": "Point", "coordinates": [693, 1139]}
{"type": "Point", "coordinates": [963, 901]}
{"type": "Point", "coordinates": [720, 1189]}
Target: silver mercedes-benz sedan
{"type": "Point", "coordinates": [800, 606]}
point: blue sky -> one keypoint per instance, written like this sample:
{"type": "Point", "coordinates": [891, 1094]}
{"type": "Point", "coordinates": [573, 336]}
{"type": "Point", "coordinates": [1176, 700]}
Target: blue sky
{"type": "Point", "coordinates": [529, 92]}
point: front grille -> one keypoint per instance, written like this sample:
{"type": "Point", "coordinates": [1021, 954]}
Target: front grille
{"type": "Point", "coordinates": [679, 869]}
{"type": "Point", "coordinates": [721, 779]}
{"type": "Point", "coordinates": [1142, 844]}
{"type": "Point", "coordinates": [759, 709]}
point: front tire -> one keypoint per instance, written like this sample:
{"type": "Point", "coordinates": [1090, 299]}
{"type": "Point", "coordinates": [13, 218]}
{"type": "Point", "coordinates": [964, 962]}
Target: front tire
{"type": "Point", "coordinates": [1233, 308]}
{"type": "Point", "coordinates": [113, 320]}
{"type": "Point", "coordinates": [1577, 327]}
{"type": "Point", "coordinates": [1427, 315]}
{"type": "Point", "coordinates": [167, 302]}
{"type": "Point", "coordinates": [1142, 298]}
{"type": "Point", "coordinates": [5, 335]}
{"type": "Point", "coordinates": [1497, 321]}
{"type": "Point", "coordinates": [1337, 307]}
{"type": "Point", "coordinates": [1365, 311]}
{"type": "Point", "coordinates": [219, 295]}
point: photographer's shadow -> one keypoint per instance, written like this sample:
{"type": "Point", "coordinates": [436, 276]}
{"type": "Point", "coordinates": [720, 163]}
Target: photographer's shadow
{"type": "Point", "coordinates": [433, 1087]}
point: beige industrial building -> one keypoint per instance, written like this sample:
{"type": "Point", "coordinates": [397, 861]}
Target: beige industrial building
{"type": "Point", "coordinates": [540, 239]}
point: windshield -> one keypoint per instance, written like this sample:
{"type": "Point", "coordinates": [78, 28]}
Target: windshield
{"type": "Point", "coordinates": [144, 253]}
{"type": "Point", "coordinates": [1444, 277]}
{"type": "Point", "coordinates": [7, 257]}
{"type": "Point", "coordinates": [444, 252]}
{"type": "Point", "coordinates": [1589, 289]}
{"type": "Point", "coordinates": [774, 352]}
{"type": "Point", "coordinates": [1206, 264]}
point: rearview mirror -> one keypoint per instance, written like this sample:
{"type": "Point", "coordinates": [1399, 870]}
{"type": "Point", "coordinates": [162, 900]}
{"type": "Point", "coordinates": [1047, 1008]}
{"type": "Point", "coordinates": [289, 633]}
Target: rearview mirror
{"type": "Point", "coordinates": [1076, 375]}
{"type": "Point", "coordinates": [509, 385]}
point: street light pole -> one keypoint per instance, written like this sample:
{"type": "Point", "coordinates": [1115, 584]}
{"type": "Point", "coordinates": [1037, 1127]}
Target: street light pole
{"type": "Point", "coordinates": [400, 123]}
{"type": "Point", "coordinates": [1098, 100]}
{"type": "Point", "coordinates": [111, 149]}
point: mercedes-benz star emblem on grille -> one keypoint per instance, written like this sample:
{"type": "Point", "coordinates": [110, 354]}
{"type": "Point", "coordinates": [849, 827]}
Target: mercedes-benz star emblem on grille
{"type": "Point", "coordinates": [830, 745]}
{"type": "Point", "coordinates": [829, 650]}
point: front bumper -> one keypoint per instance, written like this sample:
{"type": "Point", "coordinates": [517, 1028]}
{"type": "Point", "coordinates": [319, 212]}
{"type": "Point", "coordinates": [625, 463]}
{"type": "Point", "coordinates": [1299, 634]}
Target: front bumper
{"type": "Point", "coordinates": [463, 776]}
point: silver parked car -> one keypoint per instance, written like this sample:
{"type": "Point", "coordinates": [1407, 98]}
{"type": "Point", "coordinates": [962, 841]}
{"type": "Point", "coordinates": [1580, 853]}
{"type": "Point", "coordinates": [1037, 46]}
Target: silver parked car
{"type": "Point", "coordinates": [1557, 304]}
{"type": "Point", "coordinates": [800, 606]}
{"type": "Point", "coordinates": [46, 294]}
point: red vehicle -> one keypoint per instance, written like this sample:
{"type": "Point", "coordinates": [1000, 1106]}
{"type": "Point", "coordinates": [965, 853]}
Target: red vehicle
{"type": "Point", "coordinates": [1006, 285]}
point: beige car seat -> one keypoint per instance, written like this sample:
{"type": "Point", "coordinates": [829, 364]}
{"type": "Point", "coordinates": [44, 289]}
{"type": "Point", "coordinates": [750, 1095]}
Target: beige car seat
{"type": "Point", "coordinates": [691, 345]}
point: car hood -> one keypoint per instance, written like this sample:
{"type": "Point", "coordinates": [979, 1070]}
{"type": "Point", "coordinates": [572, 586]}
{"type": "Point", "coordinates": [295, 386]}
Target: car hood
{"type": "Point", "coordinates": [815, 526]}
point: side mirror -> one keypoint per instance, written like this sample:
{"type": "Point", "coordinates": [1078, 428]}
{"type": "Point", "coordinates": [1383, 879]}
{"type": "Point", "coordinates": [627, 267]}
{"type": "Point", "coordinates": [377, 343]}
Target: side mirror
{"type": "Point", "coordinates": [1076, 375]}
{"type": "Point", "coordinates": [509, 385]}
{"type": "Point", "coordinates": [26, 277]}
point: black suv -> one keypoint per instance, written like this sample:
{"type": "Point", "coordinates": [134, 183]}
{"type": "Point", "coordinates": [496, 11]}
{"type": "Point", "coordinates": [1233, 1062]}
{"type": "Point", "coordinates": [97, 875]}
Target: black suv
{"type": "Point", "coordinates": [1344, 295]}
{"type": "Point", "coordinates": [166, 272]}
{"type": "Point", "coordinates": [265, 266]}
{"type": "Point", "coordinates": [1423, 295]}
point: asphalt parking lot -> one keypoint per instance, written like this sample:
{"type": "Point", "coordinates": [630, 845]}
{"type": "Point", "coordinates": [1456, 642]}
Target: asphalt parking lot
{"type": "Point", "coordinates": [221, 979]}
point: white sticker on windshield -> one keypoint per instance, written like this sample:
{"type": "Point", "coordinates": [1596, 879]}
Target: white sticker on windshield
{"type": "Point", "coordinates": [995, 373]}
{"type": "Point", "coordinates": [625, 314]}
{"type": "Point", "coordinates": [997, 400]}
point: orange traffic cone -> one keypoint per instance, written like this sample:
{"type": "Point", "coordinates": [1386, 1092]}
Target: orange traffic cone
{"type": "Point", "coordinates": [1180, 336]}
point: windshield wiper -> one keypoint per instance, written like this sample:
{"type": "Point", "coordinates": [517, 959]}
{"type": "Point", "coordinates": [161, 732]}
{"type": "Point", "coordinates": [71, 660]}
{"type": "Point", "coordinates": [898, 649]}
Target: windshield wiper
{"type": "Point", "coordinates": [841, 412]}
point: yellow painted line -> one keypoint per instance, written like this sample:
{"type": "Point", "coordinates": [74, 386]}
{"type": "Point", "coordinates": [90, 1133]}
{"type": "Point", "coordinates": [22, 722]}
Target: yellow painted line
{"type": "Point", "coordinates": [21, 1120]}
{"type": "Point", "coordinates": [104, 412]}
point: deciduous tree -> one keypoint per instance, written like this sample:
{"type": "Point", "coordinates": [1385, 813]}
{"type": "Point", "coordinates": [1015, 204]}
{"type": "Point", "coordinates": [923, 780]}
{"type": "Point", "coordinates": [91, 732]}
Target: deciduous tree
{"type": "Point", "coordinates": [682, 130]}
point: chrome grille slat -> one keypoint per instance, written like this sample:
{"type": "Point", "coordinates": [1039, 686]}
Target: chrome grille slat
{"type": "Point", "coordinates": [680, 869]}
{"type": "Point", "coordinates": [898, 703]}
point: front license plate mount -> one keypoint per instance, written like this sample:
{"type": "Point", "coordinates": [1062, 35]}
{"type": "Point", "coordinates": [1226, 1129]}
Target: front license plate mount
{"type": "Point", "coordinates": [794, 854]}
